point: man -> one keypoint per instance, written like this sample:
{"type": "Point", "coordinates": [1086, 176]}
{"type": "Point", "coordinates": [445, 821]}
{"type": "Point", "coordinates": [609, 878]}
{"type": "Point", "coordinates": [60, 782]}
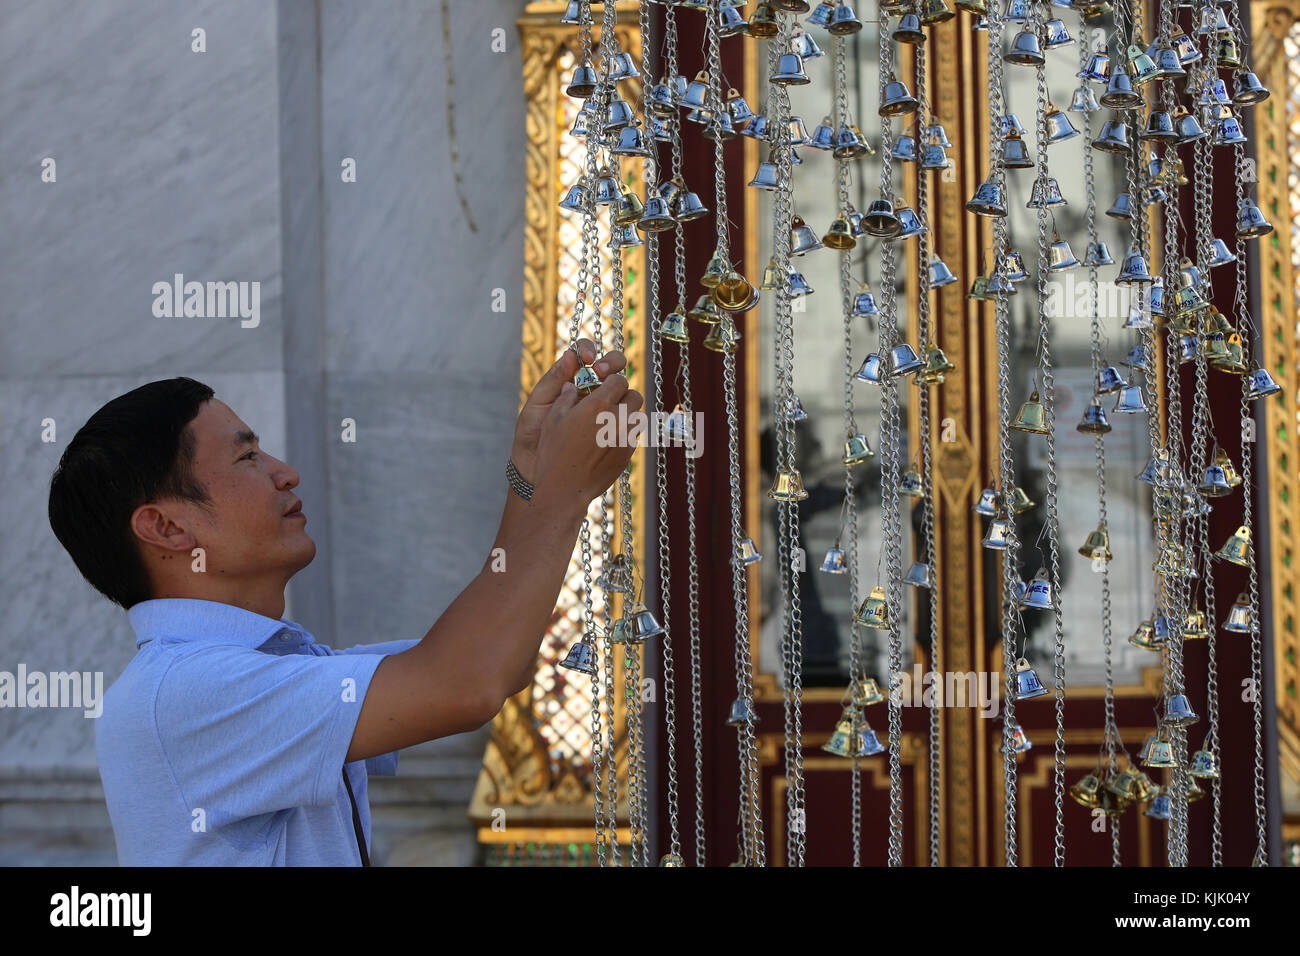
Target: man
{"type": "Point", "coordinates": [232, 738]}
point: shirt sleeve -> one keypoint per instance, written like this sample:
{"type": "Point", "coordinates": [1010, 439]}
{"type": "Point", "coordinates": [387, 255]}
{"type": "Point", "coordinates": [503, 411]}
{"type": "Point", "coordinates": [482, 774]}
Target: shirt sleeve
{"type": "Point", "coordinates": [247, 733]}
{"type": "Point", "coordinates": [382, 765]}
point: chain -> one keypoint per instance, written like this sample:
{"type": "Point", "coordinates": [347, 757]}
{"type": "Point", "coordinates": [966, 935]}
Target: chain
{"type": "Point", "coordinates": [840, 117]}
{"type": "Point", "coordinates": [927, 337]}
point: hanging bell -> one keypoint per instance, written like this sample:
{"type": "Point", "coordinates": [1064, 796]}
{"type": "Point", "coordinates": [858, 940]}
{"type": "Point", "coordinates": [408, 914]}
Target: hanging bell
{"type": "Point", "coordinates": [583, 81]}
{"type": "Point", "coordinates": [908, 222]}
{"type": "Point", "coordinates": [908, 29]}
{"type": "Point", "coordinates": [1237, 548]}
{"type": "Point", "coordinates": [1186, 126]}
{"type": "Point", "coordinates": [1168, 65]}
{"type": "Point", "coordinates": [849, 143]}
{"type": "Point", "coordinates": [706, 310]}
{"type": "Point", "coordinates": [934, 157]}
{"type": "Point", "coordinates": [1027, 684]}
{"type": "Point", "coordinates": [936, 368]}
{"type": "Point", "coordinates": [1113, 137]}
{"type": "Point", "coordinates": [677, 426]}
{"type": "Point", "coordinates": [998, 535]}
{"type": "Point", "coordinates": [840, 235]}
{"type": "Point", "coordinates": [910, 484]}
{"type": "Point", "coordinates": [874, 611]}
{"type": "Point", "coordinates": [834, 562]}
{"type": "Point", "coordinates": [1025, 50]}
{"type": "Point", "coordinates": [1137, 358]}
{"type": "Point", "coordinates": [1015, 154]}
{"type": "Point", "coordinates": [822, 15]}
{"type": "Point", "coordinates": [673, 327]}
{"type": "Point", "coordinates": [575, 14]}
{"type": "Point", "coordinates": [767, 176]}
{"type": "Point", "coordinates": [864, 303]}
{"type": "Point", "coordinates": [1097, 69]}
{"type": "Point", "coordinates": [1087, 791]}
{"type": "Point", "coordinates": [1094, 421]}
{"type": "Point", "coordinates": [872, 370]}
{"type": "Point", "coordinates": [586, 381]}
{"type": "Point", "coordinates": [1032, 417]}
{"type": "Point", "coordinates": [1098, 254]}
{"type": "Point", "coordinates": [979, 289]}
{"type": "Point", "coordinates": [797, 285]}
{"type": "Point", "coordinates": [1012, 266]}
{"type": "Point", "coordinates": [1179, 713]}
{"type": "Point", "coordinates": [802, 238]}
{"type": "Point", "coordinates": [1130, 401]}
{"type": "Point", "coordinates": [1134, 269]}
{"type": "Point", "coordinates": [1234, 362]}
{"type": "Point", "coordinates": [1056, 34]}
{"type": "Point", "coordinates": [1215, 483]}
{"type": "Point", "coordinates": [1097, 545]}
{"type": "Point", "coordinates": [1060, 256]}
{"type": "Point", "coordinates": [617, 576]}
{"type": "Point", "coordinates": [1109, 381]}
{"type": "Point", "coordinates": [1228, 132]}
{"type": "Point", "coordinates": [757, 128]}
{"type": "Point", "coordinates": [940, 274]}
{"type": "Point", "coordinates": [1221, 458]}
{"type": "Point", "coordinates": [581, 658]}
{"type": "Point", "coordinates": [734, 293]}
{"type": "Point", "coordinates": [1161, 807]}
{"type": "Point", "coordinates": [918, 575]}
{"type": "Point", "coordinates": [697, 93]}
{"type": "Point", "coordinates": [763, 23]}
{"type": "Point", "coordinates": [1251, 222]}
{"type": "Point", "coordinates": [1261, 385]}
{"type": "Point", "coordinates": [903, 360]}
{"type": "Point", "coordinates": [987, 504]}
{"type": "Point", "coordinates": [1229, 57]}
{"type": "Point", "coordinates": [868, 743]}
{"type": "Point", "coordinates": [723, 337]}
{"type": "Point", "coordinates": [905, 149]}
{"type": "Point", "coordinates": [1160, 127]}
{"type": "Point", "coordinates": [749, 554]}
{"type": "Point", "coordinates": [1120, 94]}
{"type": "Point", "coordinates": [1141, 67]}
{"type": "Point", "coordinates": [867, 692]}
{"type": "Point", "coordinates": [1144, 637]}
{"type": "Point", "coordinates": [1045, 193]}
{"type": "Point", "coordinates": [1239, 617]}
{"type": "Point", "coordinates": [1016, 11]}
{"type": "Point", "coordinates": [1205, 765]}
{"type": "Point", "coordinates": [787, 486]}
{"type": "Point", "coordinates": [989, 200]}
{"type": "Point", "coordinates": [856, 449]}
{"type": "Point", "coordinates": [804, 45]}
{"type": "Point", "coordinates": [896, 100]}
{"type": "Point", "coordinates": [1083, 100]}
{"type": "Point", "coordinates": [1020, 502]}
{"type": "Point", "coordinates": [844, 21]}
{"type": "Point", "coordinates": [1194, 628]}
{"type": "Point", "coordinates": [789, 71]}
{"type": "Point", "coordinates": [823, 136]}
{"type": "Point", "coordinates": [794, 410]}
{"type": "Point", "coordinates": [1122, 208]}
{"type": "Point", "coordinates": [999, 285]}
{"type": "Point", "coordinates": [575, 200]}
{"type": "Point", "coordinates": [841, 743]}
{"type": "Point", "coordinates": [1246, 88]}
{"type": "Point", "coordinates": [656, 216]}
{"type": "Point", "coordinates": [1019, 742]}
{"type": "Point", "coordinates": [1220, 254]}
{"type": "Point", "coordinates": [936, 11]}
{"type": "Point", "coordinates": [644, 625]}
{"type": "Point", "coordinates": [742, 713]}
{"type": "Point", "coordinates": [879, 220]}
{"type": "Point", "coordinates": [716, 268]}
{"type": "Point", "coordinates": [1160, 752]}
{"type": "Point", "coordinates": [688, 207]}
{"type": "Point", "coordinates": [1059, 128]}
{"type": "Point", "coordinates": [1039, 593]}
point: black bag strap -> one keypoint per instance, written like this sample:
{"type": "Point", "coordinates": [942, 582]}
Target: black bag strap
{"type": "Point", "coordinates": [356, 820]}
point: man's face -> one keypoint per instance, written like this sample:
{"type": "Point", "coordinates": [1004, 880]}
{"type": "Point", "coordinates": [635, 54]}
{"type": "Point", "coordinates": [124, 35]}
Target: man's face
{"type": "Point", "coordinates": [245, 532]}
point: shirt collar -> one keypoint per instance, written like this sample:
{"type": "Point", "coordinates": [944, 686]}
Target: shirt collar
{"type": "Point", "coordinates": [191, 619]}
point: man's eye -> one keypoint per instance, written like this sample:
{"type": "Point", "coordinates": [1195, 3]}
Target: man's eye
{"type": "Point", "coordinates": [249, 455]}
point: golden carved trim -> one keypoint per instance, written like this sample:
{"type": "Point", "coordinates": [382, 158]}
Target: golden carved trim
{"type": "Point", "coordinates": [1270, 23]}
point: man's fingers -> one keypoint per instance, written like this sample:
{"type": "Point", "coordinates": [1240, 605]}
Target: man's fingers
{"type": "Point", "coordinates": [611, 390]}
{"type": "Point", "coordinates": [633, 400]}
{"type": "Point", "coordinates": [567, 398]}
{"type": "Point", "coordinates": [587, 350]}
{"type": "Point", "coordinates": [610, 362]}
{"type": "Point", "coordinates": [547, 388]}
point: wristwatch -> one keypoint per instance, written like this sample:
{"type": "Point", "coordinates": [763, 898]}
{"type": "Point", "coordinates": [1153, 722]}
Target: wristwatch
{"type": "Point", "coordinates": [521, 487]}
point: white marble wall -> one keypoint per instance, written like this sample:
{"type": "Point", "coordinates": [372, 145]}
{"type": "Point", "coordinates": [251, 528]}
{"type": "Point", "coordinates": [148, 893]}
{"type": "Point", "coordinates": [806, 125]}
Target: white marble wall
{"type": "Point", "coordinates": [375, 305]}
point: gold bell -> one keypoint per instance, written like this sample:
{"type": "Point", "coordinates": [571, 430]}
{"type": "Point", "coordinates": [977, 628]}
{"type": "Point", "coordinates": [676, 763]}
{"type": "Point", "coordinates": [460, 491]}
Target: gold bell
{"type": "Point", "coordinates": [841, 742]}
{"type": "Point", "coordinates": [673, 327]}
{"type": "Point", "coordinates": [1087, 791]}
{"type": "Point", "coordinates": [771, 278]}
{"type": "Point", "coordinates": [874, 611]}
{"type": "Point", "coordinates": [671, 859]}
{"type": "Point", "coordinates": [723, 337]}
{"type": "Point", "coordinates": [1223, 461]}
{"type": "Point", "coordinates": [866, 692]}
{"type": "Point", "coordinates": [733, 293]}
{"type": "Point", "coordinates": [788, 485]}
{"type": "Point", "coordinates": [1234, 362]}
{"type": "Point", "coordinates": [1160, 752]}
{"type": "Point", "coordinates": [840, 235]}
{"type": "Point", "coordinates": [1097, 545]}
{"type": "Point", "coordinates": [1195, 627]}
{"type": "Point", "coordinates": [1032, 417]}
{"type": "Point", "coordinates": [1237, 548]}
{"type": "Point", "coordinates": [1020, 502]}
{"type": "Point", "coordinates": [706, 310]}
{"type": "Point", "coordinates": [1145, 637]}
{"type": "Point", "coordinates": [856, 449]}
{"type": "Point", "coordinates": [936, 367]}
{"type": "Point", "coordinates": [715, 270]}
{"type": "Point", "coordinates": [911, 485]}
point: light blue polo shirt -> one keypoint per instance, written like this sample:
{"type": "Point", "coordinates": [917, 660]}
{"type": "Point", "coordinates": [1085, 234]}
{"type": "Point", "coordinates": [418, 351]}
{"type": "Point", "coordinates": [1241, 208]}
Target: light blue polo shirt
{"type": "Point", "coordinates": [222, 743]}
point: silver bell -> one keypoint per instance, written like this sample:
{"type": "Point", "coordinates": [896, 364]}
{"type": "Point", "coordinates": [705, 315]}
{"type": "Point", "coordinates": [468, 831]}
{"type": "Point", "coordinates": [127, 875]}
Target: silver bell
{"type": "Point", "coordinates": [1109, 381]}
{"type": "Point", "coordinates": [987, 504]}
{"type": "Point", "coordinates": [581, 658]}
{"type": "Point", "coordinates": [1025, 50]}
{"type": "Point", "coordinates": [1098, 254]}
{"type": "Point", "coordinates": [742, 713]}
{"type": "Point", "coordinates": [1130, 400]}
{"type": "Point", "coordinates": [1039, 592]}
{"type": "Point", "coordinates": [903, 360]}
{"type": "Point", "coordinates": [1160, 126]}
{"type": "Point", "coordinates": [1120, 94]}
{"type": "Point", "coordinates": [1046, 192]}
{"type": "Point", "coordinates": [1084, 100]}
{"type": "Point", "coordinates": [1113, 137]}
{"type": "Point", "coordinates": [918, 576]}
{"type": "Point", "coordinates": [1262, 384]}
{"type": "Point", "coordinates": [1179, 713]}
{"type": "Point", "coordinates": [1215, 483]}
{"type": "Point", "coordinates": [1097, 69]}
{"type": "Point", "coordinates": [905, 149]}
{"type": "Point", "coordinates": [834, 562]}
{"type": "Point", "coordinates": [989, 200]}
{"type": "Point", "coordinates": [789, 71]}
{"type": "Point", "coordinates": [1251, 222]}
{"type": "Point", "coordinates": [940, 274]}
{"type": "Point", "coordinates": [872, 370]}
{"type": "Point", "coordinates": [1058, 126]}
{"type": "Point", "coordinates": [802, 238]}
{"type": "Point", "coordinates": [1246, 89]}
{"type": "Point", "coordinates": [1060, 257]}
{"type": "Point", "coordinates": [880, 220]}
{"type": "Point", "coordinates": [1027, 683]}
{"type": "Point", "coordinates": [1122, 207]}
{"type": "Point", "coordinates": [909, 224]}
{"type": "Point", "coordinates": [1134, 269]}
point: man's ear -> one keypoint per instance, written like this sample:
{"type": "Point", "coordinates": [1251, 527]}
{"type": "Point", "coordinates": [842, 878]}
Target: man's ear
{"type": "Point", "coordinates": [156, 526]}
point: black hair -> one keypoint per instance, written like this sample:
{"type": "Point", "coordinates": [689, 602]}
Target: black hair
{"type": "Point", "coordinates": [136, 449]}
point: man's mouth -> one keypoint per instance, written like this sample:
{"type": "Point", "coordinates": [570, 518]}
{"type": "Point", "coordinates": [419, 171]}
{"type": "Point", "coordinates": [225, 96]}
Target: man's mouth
{"type": "Point", "coordinates": [295, 510]}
